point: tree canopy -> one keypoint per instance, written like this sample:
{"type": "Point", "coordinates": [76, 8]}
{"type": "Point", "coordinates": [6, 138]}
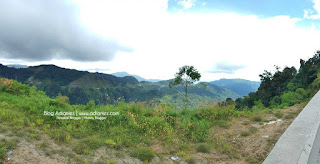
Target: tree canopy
{"type": "Point", "coordinates": [186, 76]}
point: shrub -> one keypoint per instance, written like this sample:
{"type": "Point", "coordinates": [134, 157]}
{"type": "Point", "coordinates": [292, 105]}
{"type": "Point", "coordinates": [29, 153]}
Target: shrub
{"type": "Point", "coordinates": [191, 161]}
{"type": "Point", "coordinates": [283, 105]}
{"type": "Point", "coordinates": [221, 123]}
{"type": "Point", "coordinates": [253, 130]}
{"type": "Point", "coordinates": [3, 151]}
{"type": "Point", "coordinates": [203, 148]}
{"type": "Point", "coordinates": [199, 130]}
{"type": "Point", "coordinates": [290, 98]}
{"type": "Point", "coordinates": [143, 153]}
{"type": "Point", "coordinates": [256, 118]}
{"type": "Point", "coordinates": [289, 116]}
{"type": "Point", "coordinates": [93, 142]}
{"type": "Point", "coordinates": [278, 114]}
{"type": "Point", "coordinates": [110, 143]}
{"type": "Point", "coordinates": [244, 133]}
{"type": "Point", "coordinates": [81, 148]}
{"type": "Point", "coordinates": [302, 92]}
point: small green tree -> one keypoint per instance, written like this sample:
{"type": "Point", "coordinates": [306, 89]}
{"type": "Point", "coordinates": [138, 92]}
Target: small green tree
{"type": "Point", "coordinates": [186, 76]}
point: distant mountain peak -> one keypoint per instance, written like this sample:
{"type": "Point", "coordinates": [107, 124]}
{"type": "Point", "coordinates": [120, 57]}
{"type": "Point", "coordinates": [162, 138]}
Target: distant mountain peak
{"type": "Point", "coordinates": [139, 78]}
{"type": "Point", "coordinates": [240, 86]}
{"type": "Point", "coordinates": [16, 66]}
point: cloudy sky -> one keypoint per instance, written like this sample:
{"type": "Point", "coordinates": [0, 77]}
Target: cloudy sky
{"type": "Point", "coordinates": [153, 38]}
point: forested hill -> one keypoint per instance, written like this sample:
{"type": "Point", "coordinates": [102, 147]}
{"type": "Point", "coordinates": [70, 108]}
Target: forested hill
{"type": "Point", "coordinates": [285, 87]}
{"type": "Point", "coordinates": [82, 86]}
{"type": "Point", "coordinates": [241, 87]}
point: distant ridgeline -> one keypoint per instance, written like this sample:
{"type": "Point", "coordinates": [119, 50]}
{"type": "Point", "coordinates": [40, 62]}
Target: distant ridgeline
{"type": "Point", "coordinates": [239, 86]}
{"type": "Point", "coordinates": [285, 87]}
{"type": "Point", "coordinates": [82, 86]}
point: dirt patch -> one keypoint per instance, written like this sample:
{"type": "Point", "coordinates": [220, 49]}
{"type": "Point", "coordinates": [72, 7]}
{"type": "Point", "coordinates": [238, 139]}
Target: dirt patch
{"type": "Point", "coordinates": [257, 145]}
{"type": "Point", "coordinates": [28, 154]}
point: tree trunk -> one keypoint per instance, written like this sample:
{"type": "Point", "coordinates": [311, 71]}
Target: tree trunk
{"type": "Point", "coordinates": [186, 96]}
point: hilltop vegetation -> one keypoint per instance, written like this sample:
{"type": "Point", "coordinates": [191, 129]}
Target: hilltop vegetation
{"type": "Point", "coordinates": [151, 131]}
{"type": "Point", "coordinates": [139, 131]}
{"type": "Point", "coordinates": [285, 88]}
{"type": "Point", "coordinates": [81, 87]}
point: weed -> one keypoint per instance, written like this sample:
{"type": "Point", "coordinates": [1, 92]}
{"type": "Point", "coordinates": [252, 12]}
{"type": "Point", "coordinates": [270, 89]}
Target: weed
{"type": "Point", "coordinates": [203, 148]}
{"type": "Point", "coordinates": [256, 118]}
{"type": "Point", "coordinates": [143, 153]}
{"type": "Point", "coordinates": [289, 116]}
{"type": "Point", "coordinates": [190, 160]}
{"type": "Point", "coordinates": [81, 148]}
{"type": "Point", "coordinates": [111, 161]}
{"type": "Point", "coordinates": [278, 114]}
{"type": "Point", "coordinates": [244, 133]}
{"type": "Point", "coordinates": [222, 124]}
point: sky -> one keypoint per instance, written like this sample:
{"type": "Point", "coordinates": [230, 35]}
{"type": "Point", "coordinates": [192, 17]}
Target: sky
{"type": "Point", "coordinates": [153, 38]}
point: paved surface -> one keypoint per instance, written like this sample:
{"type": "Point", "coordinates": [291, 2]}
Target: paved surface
{"type": "Point", "coordinates": [295, 144]}
{"type": "Point", "coordinates": [315, 151]}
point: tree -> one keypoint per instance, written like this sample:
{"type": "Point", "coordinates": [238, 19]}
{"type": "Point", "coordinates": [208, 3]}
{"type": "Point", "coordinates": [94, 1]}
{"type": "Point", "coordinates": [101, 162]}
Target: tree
{"type": "Point", "coordinates": [186, 76]}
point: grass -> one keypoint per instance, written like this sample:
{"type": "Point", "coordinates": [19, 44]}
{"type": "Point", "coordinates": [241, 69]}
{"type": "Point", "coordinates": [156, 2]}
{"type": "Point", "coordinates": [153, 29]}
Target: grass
{"type": "Point", "coordinates": [21, 109]}
{"type": "Point", "coordinates": [290, 115]}
{"type": "Point", "coordinates": [248, 132]}
{"type": "Point", "coordinates": [278, 114]}
{"type": "Point", "coordinates": [257, 118]}
{"type": "Point", "coordinates": [203, 148]}
{"type": "Point", "coordinates": [145, 154]}
{"type": "Point", "coordinates": [244, 133]}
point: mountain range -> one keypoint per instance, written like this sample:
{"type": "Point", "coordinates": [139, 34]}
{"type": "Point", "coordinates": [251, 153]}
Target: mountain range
{"type": "Point", "coordinates": [241, 87]}
{"type": "Point", "coordinates": [139, 78]}
{"type": "Point", "coordinates": [83, 86]}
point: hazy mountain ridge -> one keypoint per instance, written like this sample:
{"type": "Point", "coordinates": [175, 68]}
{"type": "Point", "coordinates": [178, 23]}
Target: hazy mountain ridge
{"type": "Point", "coordinates": [241, 87]}
{"type": "Point", "coordinates": [139, 78]}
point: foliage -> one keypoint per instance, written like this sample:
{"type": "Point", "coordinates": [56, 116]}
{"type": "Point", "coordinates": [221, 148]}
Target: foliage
{"type": "Point", "coordinates": [81, 87]}
{"type": "Point", "coordinates": [143, 153]}
{"type": "Point", "coordinates": [137, 123]}
{"type": "Point", "coordinates": [186, 76]}
{"type": "Point", "coordinates": [203, 148]}
{"type": "Point", "coordinates": [286, 87]}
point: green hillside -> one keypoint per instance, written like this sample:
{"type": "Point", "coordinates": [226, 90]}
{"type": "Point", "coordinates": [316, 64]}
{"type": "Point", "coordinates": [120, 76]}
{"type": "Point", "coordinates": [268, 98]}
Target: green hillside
{"type": "Point", "coordinates": [148, 131]}
{"type": "Point", "coordinates": [82, 86]}
{"type": "Point", "coordinates": [285, 87]}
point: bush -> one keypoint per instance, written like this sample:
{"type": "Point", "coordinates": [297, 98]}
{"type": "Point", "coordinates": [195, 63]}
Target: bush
{"type": "Point", "coordinates": [93, 142]}
{"type": "Point", "coordinates": [221, 123]}
{"type": "Point", "coordinates": [191, 161]}
{"type": "Point", "coordinates": [291, 98]}
{"type": "Point", "coordinates": [256, 118]}
{"type": "Point", "coordinates": [278, 114]}
{"type": "Point", "coordinates": [3, 151]}
{"type": "Point", "coordinates": [81, 148]}
{"type": "Point", "coordinates": [203, 148]}
{"type": "Point", "coordinates": [143, 153]}
{"type": "Point", "coordinates": [302, 92]}
{"type": "Point", "coordinates": [289, 116]}
{"type": "Point", "coordinates": [199, 130]}
{"type": "Point", "coordinates": [244, 133]}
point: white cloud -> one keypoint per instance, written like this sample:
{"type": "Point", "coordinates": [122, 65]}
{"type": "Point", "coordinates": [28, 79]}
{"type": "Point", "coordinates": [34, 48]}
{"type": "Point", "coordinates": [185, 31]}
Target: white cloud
{"type": "Point", "coordinates": [187, 3]}
{"type": "Point", "coordinates": [163, 42]}
{"type": "Point", "coordinates": [315, 12]}
{"type": "Point", "coordinates": [316, 5]}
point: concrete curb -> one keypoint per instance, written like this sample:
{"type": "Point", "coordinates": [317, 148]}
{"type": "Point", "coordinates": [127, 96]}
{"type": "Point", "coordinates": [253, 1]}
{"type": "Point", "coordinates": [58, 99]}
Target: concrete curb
{"type": "Point", "coordinates": [295, 144]}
